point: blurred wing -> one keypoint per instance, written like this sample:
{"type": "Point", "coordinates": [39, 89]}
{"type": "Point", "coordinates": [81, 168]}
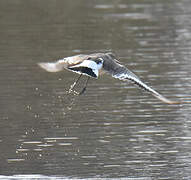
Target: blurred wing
{"type": "Point", "coordinates": [51, 66]}
{"type": "Point", "coordinates": [59, 65]}
{"type": "Point", "coordinates": [124, 74]}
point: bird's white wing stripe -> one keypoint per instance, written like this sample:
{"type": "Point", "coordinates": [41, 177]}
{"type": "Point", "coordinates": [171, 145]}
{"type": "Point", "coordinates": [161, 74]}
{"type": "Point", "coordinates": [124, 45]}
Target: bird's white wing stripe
{"type": "Point", "coordinates": [137, 81]}
{"type": "Point", "coordinates": [87, 63]}
{"type": "Point", "coordinates": [125, 76]}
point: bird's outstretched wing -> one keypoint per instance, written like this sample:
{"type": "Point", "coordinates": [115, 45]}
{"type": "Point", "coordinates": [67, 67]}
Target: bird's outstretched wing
{"type": "Point", "coordinates": [121, 72]}
{"type": "Point", "coordinates": [60, 64]}
{"type": "Point", "coordinates": [87, 67]}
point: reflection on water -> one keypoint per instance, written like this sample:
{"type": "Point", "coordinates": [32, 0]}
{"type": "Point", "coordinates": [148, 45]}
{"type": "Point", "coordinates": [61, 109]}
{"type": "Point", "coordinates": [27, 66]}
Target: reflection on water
{"type": "Point", "coordinates": [114, 129]}
{"type": "Point", "coordinates": [16, 177]}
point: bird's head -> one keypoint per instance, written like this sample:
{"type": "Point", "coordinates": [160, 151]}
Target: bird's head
{"type": "Point", "coordinates": [99, 61]}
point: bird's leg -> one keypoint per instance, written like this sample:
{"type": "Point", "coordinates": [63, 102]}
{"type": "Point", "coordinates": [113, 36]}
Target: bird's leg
{"type": "Point", "coordinates": [74, 84]}
{"type": "Point", "coordinates": [84, 89]}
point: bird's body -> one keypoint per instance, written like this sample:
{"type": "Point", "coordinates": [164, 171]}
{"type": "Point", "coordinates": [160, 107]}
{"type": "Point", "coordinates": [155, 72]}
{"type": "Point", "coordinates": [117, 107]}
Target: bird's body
{"type": "Point", "coordinates": [96, 64]}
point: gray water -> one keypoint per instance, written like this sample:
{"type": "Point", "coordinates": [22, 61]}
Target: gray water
{"type": "Point", "coordinates": [114, 130]}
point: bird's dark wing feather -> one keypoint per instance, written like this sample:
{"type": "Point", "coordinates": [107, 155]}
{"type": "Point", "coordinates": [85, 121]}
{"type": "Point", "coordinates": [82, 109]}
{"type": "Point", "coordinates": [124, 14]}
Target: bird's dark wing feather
{"type": "Point", "coordinates": [121, 72]}
{"type": "Point", "coordinates": [83, 70]}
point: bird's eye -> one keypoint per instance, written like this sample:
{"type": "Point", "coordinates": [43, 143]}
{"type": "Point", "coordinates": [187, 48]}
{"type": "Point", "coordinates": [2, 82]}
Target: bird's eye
{"type": "Point", "coordinates": [89, 58]}
{"type": "Point", "coordinates": [99, 60]}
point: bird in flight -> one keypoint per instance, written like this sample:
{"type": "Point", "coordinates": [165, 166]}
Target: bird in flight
{"type": "Point", "coordinates": [96, 64]}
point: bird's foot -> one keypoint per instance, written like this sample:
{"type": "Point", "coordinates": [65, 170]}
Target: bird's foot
{"type": "Point", "coordinates": [82, 91]}
{"type": "Point", "coordinates": [75, 92]}
{"type": "Point", "coordinates": [70, 91]}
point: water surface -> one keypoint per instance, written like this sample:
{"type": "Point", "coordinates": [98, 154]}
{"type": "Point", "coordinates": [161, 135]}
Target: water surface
{"type": "Point", "coordinates": [114, 130]}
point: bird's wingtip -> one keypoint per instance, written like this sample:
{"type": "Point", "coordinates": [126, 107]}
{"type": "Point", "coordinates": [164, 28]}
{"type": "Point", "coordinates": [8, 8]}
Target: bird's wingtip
{"type": "Point", "coordinates": [165, 100]}
{"type": "Point", "coordinates": [50, 67]}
